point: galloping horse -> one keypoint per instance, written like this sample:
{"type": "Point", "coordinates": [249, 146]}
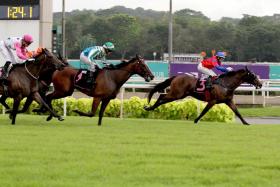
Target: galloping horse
{"type": "Point", "coordinates": [107, 86]}
{"type": "Point", "coordinates": [222, 92]}
{"type": "Point", "coordinates": [23, 81]}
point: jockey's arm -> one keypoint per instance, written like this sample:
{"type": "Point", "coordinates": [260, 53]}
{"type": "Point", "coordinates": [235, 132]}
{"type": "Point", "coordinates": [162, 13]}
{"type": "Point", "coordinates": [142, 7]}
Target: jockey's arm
{"type": "Point", "coordinates": [221, 68]}
{"type": "Point", "coordinates": [20, 52]}
{"type": "Point", "coordinates": [93, 55]}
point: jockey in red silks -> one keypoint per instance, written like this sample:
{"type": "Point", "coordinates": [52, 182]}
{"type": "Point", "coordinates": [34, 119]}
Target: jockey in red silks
{"type": "Point", "coordinates": [206, 66]}
{"type": "Point", "coordinates": [14, 51]}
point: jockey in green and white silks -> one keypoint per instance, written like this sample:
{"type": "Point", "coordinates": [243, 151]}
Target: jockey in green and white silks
{"type": "Point", "coordinates": [90, 54]}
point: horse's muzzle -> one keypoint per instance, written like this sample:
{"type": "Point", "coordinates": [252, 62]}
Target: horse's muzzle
{"type": "Point", "coordinates": [149, 78]}
{"type": "Point", "coordinates": [258, 86]}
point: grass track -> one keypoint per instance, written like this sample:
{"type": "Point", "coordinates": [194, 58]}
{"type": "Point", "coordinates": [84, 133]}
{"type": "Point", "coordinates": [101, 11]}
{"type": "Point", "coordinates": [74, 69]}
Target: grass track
{"type": "Point", "coordinates": [134, 152]}
{"type": "Point", "coordinates": [272, 111]}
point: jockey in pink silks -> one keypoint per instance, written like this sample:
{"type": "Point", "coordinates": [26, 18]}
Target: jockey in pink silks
{"type": "Point", "coordinates": [14, 51]}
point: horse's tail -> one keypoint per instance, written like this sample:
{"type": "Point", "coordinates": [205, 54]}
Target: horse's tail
{"type": "Point", "coordinates": [159, 87]}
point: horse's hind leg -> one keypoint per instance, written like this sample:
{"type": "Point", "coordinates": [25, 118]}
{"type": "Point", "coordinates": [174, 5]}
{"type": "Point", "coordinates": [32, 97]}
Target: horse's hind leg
{"type": "Point", "coordinates": [95, 103]}
{"type": "Point", "coordinates": [163, 98]}
{"type": "Point", "coordinates": [234, 109]}
{"type": "Point", "coordinates": [2, 101]}
{"type": "Point", "coordinates": [205, 110]}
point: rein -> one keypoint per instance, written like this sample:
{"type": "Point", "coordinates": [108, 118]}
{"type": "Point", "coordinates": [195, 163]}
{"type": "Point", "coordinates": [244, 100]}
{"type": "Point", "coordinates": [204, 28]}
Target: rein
{"type": "Point", "coordinates": [29, 73]}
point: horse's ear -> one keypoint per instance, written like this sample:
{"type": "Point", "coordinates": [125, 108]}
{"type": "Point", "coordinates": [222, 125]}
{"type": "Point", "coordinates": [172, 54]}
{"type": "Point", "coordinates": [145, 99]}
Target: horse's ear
{"type": "Point", "coordinates": [246, 68]}
{"type": "Point", "coordinates": [137, 56]}
{"type": "Point", "coordinates": [59, 56]}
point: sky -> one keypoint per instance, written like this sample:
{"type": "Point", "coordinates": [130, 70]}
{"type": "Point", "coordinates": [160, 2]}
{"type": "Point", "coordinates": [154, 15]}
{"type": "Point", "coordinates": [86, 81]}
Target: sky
{"type": "Point", "coordinates": [213, 9]}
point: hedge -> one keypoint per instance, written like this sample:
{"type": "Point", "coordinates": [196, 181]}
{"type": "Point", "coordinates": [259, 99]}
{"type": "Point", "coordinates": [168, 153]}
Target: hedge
{"type": "Point", "coordinates": [133, 108]}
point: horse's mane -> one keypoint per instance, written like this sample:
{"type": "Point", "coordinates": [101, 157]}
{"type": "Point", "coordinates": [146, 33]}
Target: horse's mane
{"type": "Point", "coordinates": [231, 73]}
{"type": "Point", "coordinates": [124, 63]}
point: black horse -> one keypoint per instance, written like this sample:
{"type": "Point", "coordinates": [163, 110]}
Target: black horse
{"type": "Point", "coordinates": [23, 81]}
{"type": "Point", "coordinates": [222, 92]}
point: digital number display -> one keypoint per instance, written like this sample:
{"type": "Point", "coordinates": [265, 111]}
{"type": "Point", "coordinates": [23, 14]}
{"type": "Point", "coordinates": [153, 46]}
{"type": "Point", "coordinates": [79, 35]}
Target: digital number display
{"type": "Point", "coordinates": [19, 10]}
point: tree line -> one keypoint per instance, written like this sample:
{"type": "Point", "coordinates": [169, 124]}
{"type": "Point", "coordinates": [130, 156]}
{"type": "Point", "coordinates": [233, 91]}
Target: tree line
{"type": "Point", "coordinates": [140, 31]}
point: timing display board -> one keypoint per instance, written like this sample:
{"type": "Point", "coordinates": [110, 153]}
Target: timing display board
{"type": "Point", "coordinates": [19, 9]}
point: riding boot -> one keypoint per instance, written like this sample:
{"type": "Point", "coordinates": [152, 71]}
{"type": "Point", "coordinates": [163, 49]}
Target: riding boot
{"type": "Point", "coordinates": [90, 77]}
{"type": "Point", "coordinates": [209, 83]}
{"type": "Point", "coordinates": [5, 70]}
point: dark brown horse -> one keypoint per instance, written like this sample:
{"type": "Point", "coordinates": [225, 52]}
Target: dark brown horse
{"type": "Point", "coordinates": [222, 92]}
{"type": "Point", "coordinates": [107, 86]}
{"type": "Point", "coordinates": [44, 82]}
{"type": "Point", "coordinates": [23, 81]}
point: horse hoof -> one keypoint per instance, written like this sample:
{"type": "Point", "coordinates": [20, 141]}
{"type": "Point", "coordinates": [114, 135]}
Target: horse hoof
{"type": "Point", "coordinates": [8, 111]}
{"type": "Point", "coordinates": [147, 108]}
{"type": "Point", "coordinates": [60, 118]}
{"type": "Point", "coordinates": [36, 110]}
{"type": "Point", "coordinates": [49, 118]}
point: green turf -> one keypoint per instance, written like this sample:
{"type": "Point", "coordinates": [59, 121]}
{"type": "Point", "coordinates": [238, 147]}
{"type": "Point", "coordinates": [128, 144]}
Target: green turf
{"type": "Point", "coordinates": [273, 111]}
{"type": "Point", "coordinates": [134, 152]}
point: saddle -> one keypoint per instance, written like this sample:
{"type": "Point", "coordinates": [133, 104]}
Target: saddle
{"type": "Point", "coordinates": [204, 86]}
{"type": "Point", "coordinates": [85, 79]}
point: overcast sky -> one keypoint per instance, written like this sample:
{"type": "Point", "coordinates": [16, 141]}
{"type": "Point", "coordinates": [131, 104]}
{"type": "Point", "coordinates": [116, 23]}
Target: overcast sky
{"type": "Point", "coordinates": [214, 9]}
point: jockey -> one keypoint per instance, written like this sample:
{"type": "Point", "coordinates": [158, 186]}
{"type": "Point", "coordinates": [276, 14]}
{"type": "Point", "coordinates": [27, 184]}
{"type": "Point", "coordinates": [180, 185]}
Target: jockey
{"type": "Point", "coordinates": [14, 51]}
{"type": "Point", "coordinates": [206, 66]}
{"type": "Point", "coordinates": [90, 54]}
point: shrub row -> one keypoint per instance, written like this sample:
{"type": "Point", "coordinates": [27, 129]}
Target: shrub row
{"type": "Point", "coordinates": [133, 108]}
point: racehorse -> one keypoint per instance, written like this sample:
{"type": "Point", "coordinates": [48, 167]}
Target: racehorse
{"type": "Point", "coordinates": [182, 86]}
{"type": "Point", "coordinates": [106, 87]}
{"type": "Point", "coordinates": [23, 81]}
{"type": "Point", "coordinates": [44, 82]}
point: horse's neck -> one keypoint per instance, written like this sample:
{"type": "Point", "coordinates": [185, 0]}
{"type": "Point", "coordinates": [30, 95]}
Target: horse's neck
{"type": "Point", "coordinates": [234, 81]}
{"type": "Point", "coordinates": [120, 76]}
{"type": "Point", "coordinates": [34, 68]}
{"type": "Point", "coordinates": [46, 75]}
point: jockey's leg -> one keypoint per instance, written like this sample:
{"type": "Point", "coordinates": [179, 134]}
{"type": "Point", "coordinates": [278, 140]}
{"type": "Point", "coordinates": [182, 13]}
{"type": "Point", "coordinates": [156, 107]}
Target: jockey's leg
{"type": "Point", "coordinates": [91, 75]}
{"type": "Point", "coordinates": [92, 67]}
{"type": "Point", "coordinates": [6, 69]}
{"type": "Point", "coordinates": [206, 71]}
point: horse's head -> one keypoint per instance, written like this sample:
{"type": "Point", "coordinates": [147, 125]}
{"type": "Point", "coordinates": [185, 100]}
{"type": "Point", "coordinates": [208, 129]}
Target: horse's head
{"type": "Point", "coordinates": [63, 60]}
{"type": "Point", "coordinates": [142, 69]}
{"type": "Point", "coordinates": [49, 60]}
{"type": "Point", "coordinates": [251, 78]}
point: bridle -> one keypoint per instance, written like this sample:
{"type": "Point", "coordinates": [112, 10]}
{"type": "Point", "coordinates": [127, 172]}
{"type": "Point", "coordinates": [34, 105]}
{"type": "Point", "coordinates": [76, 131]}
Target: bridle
{"type": "Point", "coordinates": [38, 73]}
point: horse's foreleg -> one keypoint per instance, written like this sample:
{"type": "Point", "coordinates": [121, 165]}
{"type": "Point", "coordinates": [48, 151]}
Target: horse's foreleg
{"type": "Point", "coordinates": [39, 99]}
{"type": "Point", "coordinates": [41, 109]}
{"type": "Point", "coordinates": [234, 109]}
{"type": "Point", "coordinates": [162, 99]}
{"type": "Point", "coordinates": [54, 95]}
{"type": "Point", "coordinates": [26, 104]}
{"type": "Point", "coordinates": [102, 109]}
{"type": "Point", "coordinates": [205, 110]}
{"type": "Point", "coordinates": [15, 109]}
{"type": "Point", "coordinates": [95, 103]}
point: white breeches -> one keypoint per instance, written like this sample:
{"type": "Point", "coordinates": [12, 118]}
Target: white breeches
{"type": "Point", "coordinates": [205, 70]}
{"type": "Point", "coordinates": [92, 65]}
{"type": "Point", "coordinates": [9, 54]}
